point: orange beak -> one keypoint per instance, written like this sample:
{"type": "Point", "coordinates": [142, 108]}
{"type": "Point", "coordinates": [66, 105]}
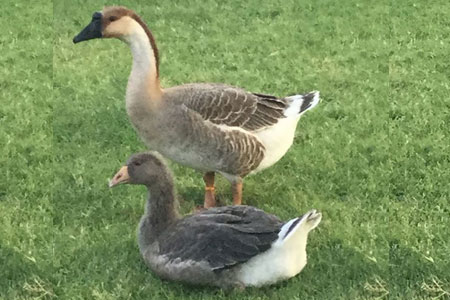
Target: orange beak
{"type": "Point", "coordinates": [120, 177]}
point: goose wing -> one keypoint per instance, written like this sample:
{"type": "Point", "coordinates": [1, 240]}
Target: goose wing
{"type": "Point", "coordinates": [223, 237]}
{"type": "Point", "coordinates": [232, 106]}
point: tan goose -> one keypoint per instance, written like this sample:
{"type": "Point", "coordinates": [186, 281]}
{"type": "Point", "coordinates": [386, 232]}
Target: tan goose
{"type": "Point", "coordinates": [230, 246]}
{"type": "Point", "coordinates": [209, 127]}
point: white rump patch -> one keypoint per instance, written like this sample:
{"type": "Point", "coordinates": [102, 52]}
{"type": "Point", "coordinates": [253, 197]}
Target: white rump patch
{"type": "Point", "coordinates": [286, 256]}
{"type": "Point", "coordinates": [282, 261]}
{"type": "Point", "coordinates": [277, 140]}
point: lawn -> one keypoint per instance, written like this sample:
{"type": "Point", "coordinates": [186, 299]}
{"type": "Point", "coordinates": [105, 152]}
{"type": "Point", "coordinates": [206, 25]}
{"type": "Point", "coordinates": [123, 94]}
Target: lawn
{"type": "Point", "coordinates": [373, 157]}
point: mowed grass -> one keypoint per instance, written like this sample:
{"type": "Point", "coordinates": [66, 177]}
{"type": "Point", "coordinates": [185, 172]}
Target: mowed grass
{"type": "Point", "coordinates": [373, 157]}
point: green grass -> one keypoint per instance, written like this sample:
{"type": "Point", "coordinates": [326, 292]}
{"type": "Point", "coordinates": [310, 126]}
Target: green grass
{"type": "Point", "coordinates": [373, 157]}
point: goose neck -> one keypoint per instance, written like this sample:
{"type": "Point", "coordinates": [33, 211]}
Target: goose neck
{"type": "Point", "coordinates": [143, 83]}
{"type": "Point", "coordinates": [161, 208]}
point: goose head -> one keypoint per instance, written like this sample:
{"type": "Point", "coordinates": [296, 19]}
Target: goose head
{"type": "Point", "coordinates": [124, 24]}
{"type": "Point", "coordinates": [143, 168]}
{"type": "Point", "coordinates": [112, 22]}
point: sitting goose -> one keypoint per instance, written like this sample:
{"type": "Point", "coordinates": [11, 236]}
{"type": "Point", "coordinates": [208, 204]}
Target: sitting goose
{"type": "Point", "coordinates": [229, 246]}
{"type": "Point", "coordinates": [209, 127]}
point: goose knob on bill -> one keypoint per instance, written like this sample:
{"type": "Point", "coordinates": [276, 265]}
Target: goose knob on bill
{"type": "Point", "coordinates": [228, 247]}
{"type": "Point", "coordinates": [211, 127]}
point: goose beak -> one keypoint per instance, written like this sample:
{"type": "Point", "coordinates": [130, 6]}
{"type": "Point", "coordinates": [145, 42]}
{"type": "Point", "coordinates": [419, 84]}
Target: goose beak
{"type": "Point", "coordinates": [92, 31]}
{"type": "Point", "coordinates": [120, 177]}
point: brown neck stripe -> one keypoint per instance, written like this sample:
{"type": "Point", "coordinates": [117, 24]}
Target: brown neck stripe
{"type": "Point", "coordinates": [151, 38]}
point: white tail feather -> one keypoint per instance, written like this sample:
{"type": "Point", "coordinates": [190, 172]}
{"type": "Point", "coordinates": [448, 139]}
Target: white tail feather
{"type": "Point", "coordinates": [298, 104]}
{"type": "Point", "coordinates": [284, 230]}
{"type": "Point", "coordinates": [292, 228]}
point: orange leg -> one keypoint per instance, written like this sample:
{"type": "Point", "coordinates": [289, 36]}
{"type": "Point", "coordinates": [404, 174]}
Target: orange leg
{"type": "Point", "coordinates": [210, 200]}
{"type": "Point", "coordinates": [236, 188]}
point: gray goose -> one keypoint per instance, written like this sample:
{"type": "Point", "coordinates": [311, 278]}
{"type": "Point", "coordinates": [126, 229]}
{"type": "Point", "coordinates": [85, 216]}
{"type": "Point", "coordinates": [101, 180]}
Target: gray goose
{"type": "Point", "coordinates": [209, 127]}
{"type": "Point", "coordinates": [228, 247]}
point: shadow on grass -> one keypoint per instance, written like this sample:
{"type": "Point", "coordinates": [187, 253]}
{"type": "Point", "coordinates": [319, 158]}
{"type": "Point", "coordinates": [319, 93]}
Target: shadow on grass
{"type": "Point", "coordinates": [21, 276]}
{"type": "Point", "coordinates": [196, 195]}
{"type": "Point", "coordinates": [410, 273]}
{"type": "Point", "coordinates": [113, 262]}
{"type": "Point", "coordinates": [331, 267]}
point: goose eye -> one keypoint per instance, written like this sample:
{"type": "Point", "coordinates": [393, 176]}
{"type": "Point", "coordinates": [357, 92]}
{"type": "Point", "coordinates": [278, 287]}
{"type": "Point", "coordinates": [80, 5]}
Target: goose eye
{"type": "Point", "coordinates": [112, 18]}
{"type": "Point", "coordinates": [137, 164]}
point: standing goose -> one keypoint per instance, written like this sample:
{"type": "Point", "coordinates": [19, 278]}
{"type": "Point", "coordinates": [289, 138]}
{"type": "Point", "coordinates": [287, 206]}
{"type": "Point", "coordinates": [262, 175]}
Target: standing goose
{"type": "Point", "coordinates": [230, 246]}
{"type": "Point", "coordinates": [209, 127]}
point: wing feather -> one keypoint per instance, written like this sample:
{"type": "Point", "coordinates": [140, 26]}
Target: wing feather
{"type": "Point", "coordinates": [223, 237]}
{"type": "Point", "coordinates": [231, 106]}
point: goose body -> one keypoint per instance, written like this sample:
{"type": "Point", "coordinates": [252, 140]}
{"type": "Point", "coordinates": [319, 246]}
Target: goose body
{"type": "Point", "coordinates": [222, 249]}
{"type": "Point", "coordinates": [209, 127]}
{"type": "Point", "coordinates": [230, 246]}
{"type": "Point", "coordinates": [230, 143]}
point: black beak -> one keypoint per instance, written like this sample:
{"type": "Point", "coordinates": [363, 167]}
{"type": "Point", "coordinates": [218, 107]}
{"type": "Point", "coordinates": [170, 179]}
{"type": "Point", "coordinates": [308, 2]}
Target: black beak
{"type": "Point", "coordinates": [92, 31]}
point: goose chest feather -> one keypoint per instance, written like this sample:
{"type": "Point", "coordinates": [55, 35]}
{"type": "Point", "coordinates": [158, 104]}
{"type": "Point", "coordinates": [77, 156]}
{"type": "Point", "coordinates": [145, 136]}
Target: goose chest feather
{"type": "Point", "coordinates": [209, 127]}
{"type": "Point", "coordinates": [228, 247]}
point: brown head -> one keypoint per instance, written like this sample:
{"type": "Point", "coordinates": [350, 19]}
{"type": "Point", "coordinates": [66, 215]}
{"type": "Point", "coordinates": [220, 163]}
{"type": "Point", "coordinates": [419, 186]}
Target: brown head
{"type": "Point", "coordinates": [144, 168]}
{"type": "Point", "coordinates": [116, 22]}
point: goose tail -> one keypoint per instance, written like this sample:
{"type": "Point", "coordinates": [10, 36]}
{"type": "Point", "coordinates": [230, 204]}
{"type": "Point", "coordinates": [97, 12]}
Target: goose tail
{"type": "Point", "coordinates": [298, 104]}
{"type": "Point", "coordinates": [298, 228]}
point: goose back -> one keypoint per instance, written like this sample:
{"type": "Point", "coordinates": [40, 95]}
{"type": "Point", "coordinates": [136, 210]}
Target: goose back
{"type": "Point", "coordinates": [229, 106]}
